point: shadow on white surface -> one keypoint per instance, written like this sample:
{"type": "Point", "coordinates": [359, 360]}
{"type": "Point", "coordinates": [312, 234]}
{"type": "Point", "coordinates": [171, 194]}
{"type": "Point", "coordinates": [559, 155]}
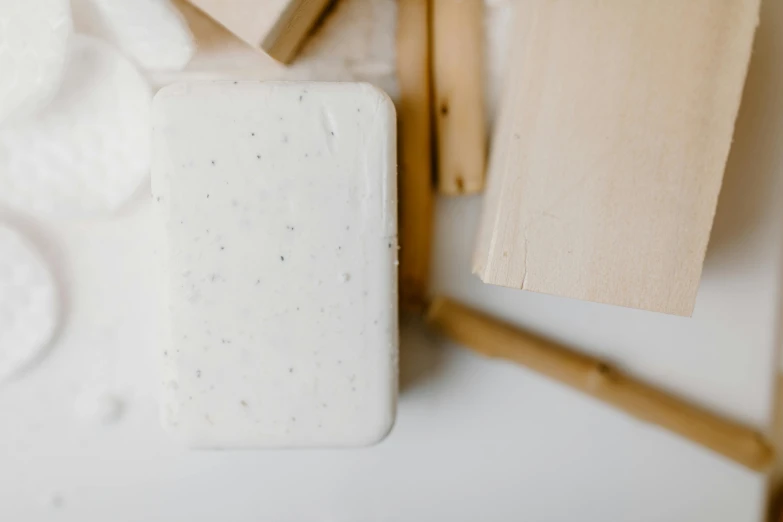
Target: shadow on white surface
{"type": "Point", "coordinates": [421, 354]}
{"type": "Point", "coordinates": [52, 254]}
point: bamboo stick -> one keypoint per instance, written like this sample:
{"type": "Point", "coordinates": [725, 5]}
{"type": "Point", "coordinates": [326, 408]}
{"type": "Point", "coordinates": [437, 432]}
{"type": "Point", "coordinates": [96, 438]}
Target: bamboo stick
{"type": "Point", "coordinates": [415, 165]}
{"type": "Point", "coordinates": [458, 74]}
{"type": "Point", "coordinates": [496, 339]}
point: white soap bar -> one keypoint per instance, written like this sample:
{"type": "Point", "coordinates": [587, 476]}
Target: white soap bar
{"type": "Point", "coordinates": [280, 208]}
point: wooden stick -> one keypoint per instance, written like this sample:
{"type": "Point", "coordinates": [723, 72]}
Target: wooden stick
{"type": "Point", "coordinates": [277, 27]}
{"type": "Point", "coordinates": [497, 339]}
{"type": "Point", "coordinates": [415, 165]}
{"type": "Point", "coordinates": [458, 67]}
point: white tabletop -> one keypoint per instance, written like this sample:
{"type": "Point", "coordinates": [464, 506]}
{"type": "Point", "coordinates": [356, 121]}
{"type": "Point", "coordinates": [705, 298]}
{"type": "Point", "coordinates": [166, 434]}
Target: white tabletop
{"type": "Point", "coordinates": [475, 439]}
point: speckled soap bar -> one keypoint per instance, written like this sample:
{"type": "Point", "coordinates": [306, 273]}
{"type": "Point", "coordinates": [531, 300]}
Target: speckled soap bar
{"type": "Point", "coordinates": [280, 209]}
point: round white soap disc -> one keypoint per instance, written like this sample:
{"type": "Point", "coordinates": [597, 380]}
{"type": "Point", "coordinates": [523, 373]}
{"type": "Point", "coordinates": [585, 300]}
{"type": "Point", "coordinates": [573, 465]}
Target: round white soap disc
{"type": "Point", "coordinates": [151, 32]}
{"type": "Point", "coordinates": [88, 151]}
{"type": "Point", "coordinates": [29, 307]}
{"type": "Point", "coordinates": [34, 38]}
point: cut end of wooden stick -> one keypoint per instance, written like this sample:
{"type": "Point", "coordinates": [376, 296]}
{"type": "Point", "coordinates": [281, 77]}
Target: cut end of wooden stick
{"type": "Point", "coordinates": [461, 185]}
{"type": "Point", "coordinates": [761, 453]}
{"type": "Point", "coordinates": [298, 21]}
{"type": "Point", "coordinates": [459, 114]}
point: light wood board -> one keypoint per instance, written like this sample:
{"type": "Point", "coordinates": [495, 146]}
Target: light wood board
{"type": "Point", "coordinates": [277, 27]}
{"type": "Point", "coordinates": [609, 151]}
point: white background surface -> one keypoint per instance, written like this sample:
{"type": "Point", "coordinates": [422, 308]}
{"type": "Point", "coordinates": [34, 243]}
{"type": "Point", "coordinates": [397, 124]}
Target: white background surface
{"type": "Point", "coordinates": [475, 439]}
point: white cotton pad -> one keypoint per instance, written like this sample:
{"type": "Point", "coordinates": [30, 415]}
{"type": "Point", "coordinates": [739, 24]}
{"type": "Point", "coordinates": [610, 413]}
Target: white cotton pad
{"type": "Point", "coordinates": [280, 205]}
{"type": "Point", "coordinates": [34, 37]}
{"type": "Point", "coordinates": [88, 152]}
{"type": "Point", "coordinates": [29, 307]}
{"type": "Point", "coordinates": [151, 32]}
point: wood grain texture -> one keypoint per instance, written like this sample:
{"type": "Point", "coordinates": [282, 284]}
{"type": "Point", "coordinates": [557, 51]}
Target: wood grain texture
{"type": "Point", "coordinates": [458, 75]}
{"type": "Point", "coordinates": [494, 338]}
{"type": "Point", "coordinates": [278, 27]}
{"type": "Point", "coordinates": [608, 155]}
{"type": "Point", "coordinates": [415, 155]}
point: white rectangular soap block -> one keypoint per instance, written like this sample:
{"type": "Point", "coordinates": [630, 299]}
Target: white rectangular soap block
{"type": "Point", "coordinates": [280, 209]}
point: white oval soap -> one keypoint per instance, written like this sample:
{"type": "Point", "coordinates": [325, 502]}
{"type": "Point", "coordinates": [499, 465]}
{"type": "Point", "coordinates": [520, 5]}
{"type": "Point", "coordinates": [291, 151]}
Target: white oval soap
{"type": "Point", "coordinates": [280, 209]}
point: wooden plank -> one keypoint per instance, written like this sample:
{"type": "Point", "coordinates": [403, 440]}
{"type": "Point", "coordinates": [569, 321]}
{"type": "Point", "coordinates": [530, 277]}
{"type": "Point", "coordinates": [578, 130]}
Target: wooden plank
{"type": "Point", "coordinates": [415, 143]}
{"type": "Point", "coordinates": [277, 27]}
{"type": "Point", "coordinates": [494, 338]}
{"type": "Point", "coordinates": [458, 75]}
{"type": "Point", "coordinates": [609, 152]}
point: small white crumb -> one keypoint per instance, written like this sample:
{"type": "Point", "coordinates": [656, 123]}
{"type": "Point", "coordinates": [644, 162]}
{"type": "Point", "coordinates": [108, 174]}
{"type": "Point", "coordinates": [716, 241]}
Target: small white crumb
{"type": "Point", "coordinates": [345, 277]}
{"type": "Point", "coordinates": [56, 500]}
{"type": "Point", "coordinates": [102, 408]}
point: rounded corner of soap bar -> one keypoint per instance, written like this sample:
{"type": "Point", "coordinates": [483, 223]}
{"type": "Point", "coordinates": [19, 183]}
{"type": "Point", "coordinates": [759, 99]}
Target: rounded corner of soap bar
{"type": "Point", "coordinates": [170, 91]}
{"type": "Point", "coordinates": [375, 433]}
{"type": "Point", "coordinates": [383, 96]}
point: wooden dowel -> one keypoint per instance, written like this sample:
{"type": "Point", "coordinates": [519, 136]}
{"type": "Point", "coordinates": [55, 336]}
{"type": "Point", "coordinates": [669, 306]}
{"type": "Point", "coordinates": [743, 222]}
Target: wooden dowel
{"type": "Point", "coordinates": [458, 73]}
{"type": "Point", "coordinates": [494, 338]}
{"type": "Point", "coordinates": [415, 165]}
